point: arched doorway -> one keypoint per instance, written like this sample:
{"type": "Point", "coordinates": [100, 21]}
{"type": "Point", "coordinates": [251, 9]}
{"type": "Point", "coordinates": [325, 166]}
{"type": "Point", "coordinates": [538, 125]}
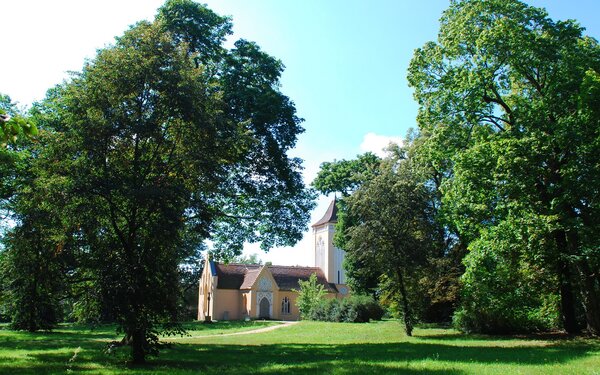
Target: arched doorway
{"type": "Point", "coordinates": [264, 308]}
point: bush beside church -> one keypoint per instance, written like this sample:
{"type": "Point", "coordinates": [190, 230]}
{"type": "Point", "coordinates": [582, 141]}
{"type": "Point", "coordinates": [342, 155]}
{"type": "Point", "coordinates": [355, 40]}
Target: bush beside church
{"type": "Point", "coordinates": [354, 309]}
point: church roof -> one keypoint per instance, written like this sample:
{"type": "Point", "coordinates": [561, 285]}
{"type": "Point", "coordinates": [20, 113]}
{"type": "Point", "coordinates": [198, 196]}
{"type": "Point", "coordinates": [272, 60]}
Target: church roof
{"type": "Point", "coordinates": [287, 277]}
{"type": "Point", "coordinates": [250, 277]}
{"type": "Point", "coordinates": [330, 215]}
{"type": "Point", "coordinates": [231, 276]}
{"type": "Point", "coordinates": [243, 276]}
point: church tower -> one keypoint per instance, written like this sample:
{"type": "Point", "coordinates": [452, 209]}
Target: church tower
{"type": "Point", "coordinates": [328, 258]}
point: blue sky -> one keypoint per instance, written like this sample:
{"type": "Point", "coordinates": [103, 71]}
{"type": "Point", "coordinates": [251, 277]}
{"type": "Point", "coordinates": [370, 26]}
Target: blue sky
{"type": "Point", "coordinates": [345, 61]}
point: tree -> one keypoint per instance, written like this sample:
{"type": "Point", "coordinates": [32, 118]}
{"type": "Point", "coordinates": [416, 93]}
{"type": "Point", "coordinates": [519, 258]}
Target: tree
{"type": "Point", "coordinates": [345, 176]}
{"type": "Point", "coordinates": [506, 115]}
{"type": "Point", "coordinates": [12, 124]}
{"type": "Point", "coordinates": [32, 272]}
{"type": "Point", "coordinates": [164, 134]}
{"type": "Point", "coordinates": [247, 259]}
{"type": "Point", "coordinates": [309, 296]}
{"type": "Point", "coordinates": [437, 288]}
{"type": "Point", "coordinates": [31, 257]}
{"type": "Point", "coordinates": [392, 230]}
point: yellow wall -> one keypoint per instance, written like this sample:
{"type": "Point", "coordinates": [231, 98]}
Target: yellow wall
{"type": "Point", "coordinates": [246, 304]}
{"type": "Point", "coordinates": [294, 313]}
{"type": "Point", "coordinates": [204, 290]}
{"type": "Point", "coordinates": [226, 304]}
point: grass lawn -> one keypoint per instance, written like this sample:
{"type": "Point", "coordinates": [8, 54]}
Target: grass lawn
{"type": "Point", "coordinates": [304, 348]}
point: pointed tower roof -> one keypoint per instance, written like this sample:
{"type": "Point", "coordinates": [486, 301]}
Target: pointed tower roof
{"type": "Point", "coordinates": [330, 216]}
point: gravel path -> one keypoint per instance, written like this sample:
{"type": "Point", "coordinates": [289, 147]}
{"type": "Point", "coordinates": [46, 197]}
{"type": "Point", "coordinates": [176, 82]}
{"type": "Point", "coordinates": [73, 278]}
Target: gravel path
{"type": "Point", "coordinates": [259, 330]}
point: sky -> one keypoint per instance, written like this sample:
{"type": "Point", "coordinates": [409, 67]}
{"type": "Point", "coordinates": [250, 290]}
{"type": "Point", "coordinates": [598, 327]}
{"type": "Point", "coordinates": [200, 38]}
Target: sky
{"type": "Point", "coordinates": [346, 63]}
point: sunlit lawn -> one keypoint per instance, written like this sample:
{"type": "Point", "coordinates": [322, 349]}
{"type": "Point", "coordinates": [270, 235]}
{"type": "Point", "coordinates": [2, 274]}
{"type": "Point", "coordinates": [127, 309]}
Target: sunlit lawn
{"type": "Point", "coordinates": [305, 348]}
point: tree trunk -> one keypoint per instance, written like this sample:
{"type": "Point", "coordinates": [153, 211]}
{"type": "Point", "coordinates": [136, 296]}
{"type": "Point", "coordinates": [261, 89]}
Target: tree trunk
{"type": "Point", "coordinates": [591, 298]}
{"type": "Point", "coordinates": [567, 298]}
{"type": "Point", "coordinates": [589, 287]}
{"type": "Point", "coordinates": [408, 324]}
{"type": "Point", "coordinates": [138, 353]}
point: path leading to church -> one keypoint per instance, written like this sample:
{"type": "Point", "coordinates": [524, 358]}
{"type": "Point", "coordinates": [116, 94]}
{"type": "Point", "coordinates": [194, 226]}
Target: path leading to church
{"type": "Point", "coordinates": [259, 330]}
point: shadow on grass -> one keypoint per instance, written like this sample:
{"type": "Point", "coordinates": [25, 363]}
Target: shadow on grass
{"type": "Point", "coordinates": [300, 358]}
{"type": "Point", "coordinates": [558, 337]}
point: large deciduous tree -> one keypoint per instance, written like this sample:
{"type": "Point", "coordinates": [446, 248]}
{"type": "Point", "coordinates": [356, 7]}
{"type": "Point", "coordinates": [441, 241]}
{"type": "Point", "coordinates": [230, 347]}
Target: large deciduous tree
{"type": "Point", "coordinates": [433, 287]}
{"type": "Point", "coordinates": [164, 135]}
{"type": "Point", "coordinates": [389, 228]}
{"type": "Point", "coordinates": [508, 112]}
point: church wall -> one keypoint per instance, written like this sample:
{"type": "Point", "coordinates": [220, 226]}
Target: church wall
{"type": "Point", "coordinates": [323, 238]}
{"type": "Point", "coordinates": [331, 274]}
{"type": "Point", "coordinates": [339, 273]}
{"type": "Point", "coordinates": [252, 304]}
{"type": "Point", "coordinates": [328, 257]}
{"type": "Point", "coordinates": [246, 304]}
{"type": "Point", "coordinates": [204, 289]}
{"type": "Point", "coordinates": [294, 312]}
{"type": "Point", "coordinates": [226, 303]}
{"type": "Point", "coordinates": [201, 304]}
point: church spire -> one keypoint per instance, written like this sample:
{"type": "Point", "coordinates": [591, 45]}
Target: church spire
{"type": "Point", "coordinates": [330, 215]}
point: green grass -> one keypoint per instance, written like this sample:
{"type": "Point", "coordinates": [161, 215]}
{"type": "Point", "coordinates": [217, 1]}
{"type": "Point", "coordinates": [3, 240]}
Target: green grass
{"type": "Point", "coordinates": [304, 348]}
{"type": "Point", "coordinates": [219, 328]}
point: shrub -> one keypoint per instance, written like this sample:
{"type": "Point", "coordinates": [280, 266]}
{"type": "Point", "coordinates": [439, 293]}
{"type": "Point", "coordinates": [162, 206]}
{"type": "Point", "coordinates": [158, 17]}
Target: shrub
{"type": "Point", "coordinates": [502, 291]}
{"type": "Point", "coordinates": [355, 309]}
{"type": "Point", "coordinates": [310, 296]}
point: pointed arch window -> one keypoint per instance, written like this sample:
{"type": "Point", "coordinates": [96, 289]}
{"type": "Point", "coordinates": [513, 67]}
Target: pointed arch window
{"type": "Point", "coordinates": [285, 305]}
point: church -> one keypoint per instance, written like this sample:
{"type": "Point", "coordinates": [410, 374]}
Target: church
{"type": "Point", "coordinates": [242, 291]}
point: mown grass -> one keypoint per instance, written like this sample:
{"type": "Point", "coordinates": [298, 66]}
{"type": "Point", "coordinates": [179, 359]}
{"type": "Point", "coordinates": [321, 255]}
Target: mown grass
{"type": "Point", "coordinates": [304, 348]}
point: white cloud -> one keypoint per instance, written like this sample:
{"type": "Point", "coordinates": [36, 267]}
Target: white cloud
{"type": "Point", "coordinates": [376, 143]}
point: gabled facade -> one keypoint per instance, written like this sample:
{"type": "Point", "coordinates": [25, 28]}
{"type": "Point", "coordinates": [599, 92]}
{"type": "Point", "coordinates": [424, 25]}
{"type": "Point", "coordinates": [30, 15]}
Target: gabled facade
{"type": "Point", "coordinates": [240, 291]}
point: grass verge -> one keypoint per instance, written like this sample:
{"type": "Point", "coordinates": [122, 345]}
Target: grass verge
{"type": "Point", "coordinates": [304, 348]}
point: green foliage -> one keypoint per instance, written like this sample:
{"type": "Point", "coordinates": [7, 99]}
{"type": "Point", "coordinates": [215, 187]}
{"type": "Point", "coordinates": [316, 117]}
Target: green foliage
{"type": "Point", "coordinates": [162, 141]}
{"type": "Point", "coordinates": [31, 272]}
{"type": "Point", "coordinates": [353, 309]}
{"type": "Point", "coordinates": [391, 229]}
{"type": "Point", "coordinates": [433, 289]}
{"type": "Point", "coordinates": [507, 118]}
{"type": "Point", "coordinates": [309, 296]}
{"type": "Point", "coordinates": [503, 289]}
{"type": "Point", "coordinates": [34, 260]}
{"type": "Point", "coordinates": [13, 124]}
{"type": "Point", "coordinates": [247, 259]}
{"type": "Point", "coordinates": [345, 176]}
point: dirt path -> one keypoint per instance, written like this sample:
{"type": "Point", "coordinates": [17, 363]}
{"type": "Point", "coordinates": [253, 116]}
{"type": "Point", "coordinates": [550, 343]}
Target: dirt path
{"type": "Point", "coordinates": [258, 330]}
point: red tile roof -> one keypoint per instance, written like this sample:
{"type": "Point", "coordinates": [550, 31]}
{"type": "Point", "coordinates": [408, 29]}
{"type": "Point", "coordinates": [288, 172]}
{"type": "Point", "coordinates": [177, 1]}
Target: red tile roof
{"type": "Point", "coordinates": [231, 276]}
{"type": "Point", "coordinates": [243, 276]}
{"type": "Point", "coordinates": [287, 277]}
{"type": "Point", "coordinates": [250, 278]}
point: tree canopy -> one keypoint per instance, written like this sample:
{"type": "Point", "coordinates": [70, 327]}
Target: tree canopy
{"type": "Point", "coordinates": [507, 117]}
{"type": "Point", "coordinates": [345, 176]}
{"type": "Point", "coordinates": [12, 123]}
{"type": "Point", "coordinates": [164, 140]}
{"type": "Point", "coordinates": [390, 229]}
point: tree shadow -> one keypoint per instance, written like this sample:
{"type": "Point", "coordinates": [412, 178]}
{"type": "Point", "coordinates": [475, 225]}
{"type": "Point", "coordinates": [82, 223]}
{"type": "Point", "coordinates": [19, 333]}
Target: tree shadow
{"type": "Point", "coordinates": [349, 356]}
{"type": "Point", "coordinates": [378, 358]}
